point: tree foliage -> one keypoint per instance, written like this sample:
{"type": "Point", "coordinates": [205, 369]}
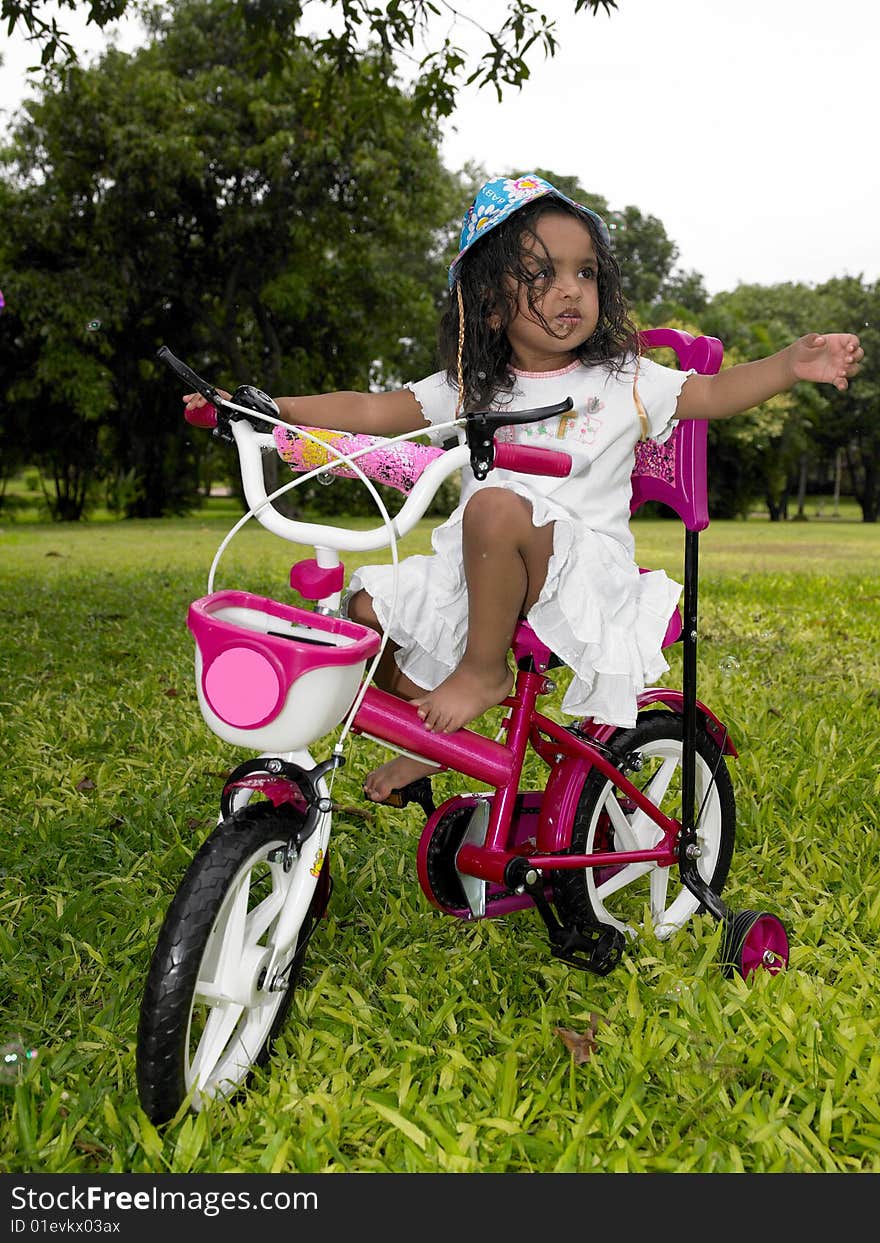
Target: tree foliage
{"type": "Point", "coordinates": [279, 214]}
{"type": "Point", "coordinates": [283, 229]}
{"type": "Point", "coordinates": [764, 452]}
{"type": "Point", "coordinates": [398, 29]}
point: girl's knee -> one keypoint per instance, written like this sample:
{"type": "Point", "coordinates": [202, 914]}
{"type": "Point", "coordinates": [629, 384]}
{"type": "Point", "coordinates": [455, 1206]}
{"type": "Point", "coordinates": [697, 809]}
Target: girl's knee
{"type": "Point", "coordinates": [496, 509]}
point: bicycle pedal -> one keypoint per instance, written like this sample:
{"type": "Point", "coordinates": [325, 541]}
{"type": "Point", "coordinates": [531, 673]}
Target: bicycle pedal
{"type": "Point", "coordinates": [419, 791]}
{"type": "Point", "coordinates": [597, 948]}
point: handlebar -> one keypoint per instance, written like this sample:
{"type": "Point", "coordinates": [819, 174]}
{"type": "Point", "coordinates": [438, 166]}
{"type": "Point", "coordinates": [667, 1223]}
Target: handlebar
{"type": "Point", "coordinates": [244, 427]}
{"type": "Point", "coordinates": [482, 425]}
{"type": "Point", "coordinates": [180, 369]}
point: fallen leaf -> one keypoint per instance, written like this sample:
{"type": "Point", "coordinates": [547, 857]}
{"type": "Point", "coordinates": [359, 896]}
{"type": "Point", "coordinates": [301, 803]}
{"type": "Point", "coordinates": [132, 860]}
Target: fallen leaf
{"type": "Point", "coordinates": [85, 784]}
{"type": "Point", "coordinates": [580, 1044]}
{"type": "Point", "coordinates": [90, 1150]}
{"type": "Point", "coordinates": [171, 692]}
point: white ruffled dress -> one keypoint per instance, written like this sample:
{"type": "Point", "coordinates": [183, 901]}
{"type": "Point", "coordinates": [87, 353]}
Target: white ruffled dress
{"type": "Point", "coordinates": [597, 612]}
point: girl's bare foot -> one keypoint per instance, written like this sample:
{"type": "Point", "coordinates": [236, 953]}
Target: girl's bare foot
{"type": "Point", "coordinates": [393, 776]}
{"type": "Point", "coordinates": [462, 698]}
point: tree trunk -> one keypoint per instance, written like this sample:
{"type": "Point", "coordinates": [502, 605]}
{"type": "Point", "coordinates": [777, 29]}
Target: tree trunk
{"type": "Point", "coordinates": [777, 508]}
{"type": "Point", "coordinates": [802, 489]}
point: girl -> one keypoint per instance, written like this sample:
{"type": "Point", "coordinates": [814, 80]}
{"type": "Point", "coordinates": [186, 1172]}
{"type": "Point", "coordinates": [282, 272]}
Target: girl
{"type": "Point", "coordinates": [536, 314]}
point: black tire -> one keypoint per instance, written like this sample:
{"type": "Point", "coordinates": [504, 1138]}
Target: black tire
{"type": "Point", "coordinates": [622, 896]}
{"type": "Point", "coordinates": [177, 1051]}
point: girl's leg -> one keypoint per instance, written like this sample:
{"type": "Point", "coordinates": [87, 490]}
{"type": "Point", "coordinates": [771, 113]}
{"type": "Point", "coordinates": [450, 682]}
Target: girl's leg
{"type": "Point", "coordinates": [398, 772]}
{"type": "Point", "coordinates": [388, 676]}
{"type": "Point", "coordinates": [505, 565]}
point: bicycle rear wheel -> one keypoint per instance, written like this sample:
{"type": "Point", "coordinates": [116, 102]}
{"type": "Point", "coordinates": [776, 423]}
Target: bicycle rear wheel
{"type": "Point", "coordinates": [605, 820]}
{"type": "Point", "coordinates": [209, 1012]}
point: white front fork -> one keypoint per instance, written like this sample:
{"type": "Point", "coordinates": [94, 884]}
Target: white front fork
{"type": "Point", "coordinates": [301, 879]}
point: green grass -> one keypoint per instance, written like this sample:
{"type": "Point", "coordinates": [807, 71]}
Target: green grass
{"type": "Point", "coordinates": [422, 1044]}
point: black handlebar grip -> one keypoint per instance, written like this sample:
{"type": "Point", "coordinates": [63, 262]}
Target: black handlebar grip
{"type": "Point", "coordinates": [503, 418]}
{"type": "Point", "coordinates": [186, 373]}
{"type": "Point", "coordinates": [534, 416]}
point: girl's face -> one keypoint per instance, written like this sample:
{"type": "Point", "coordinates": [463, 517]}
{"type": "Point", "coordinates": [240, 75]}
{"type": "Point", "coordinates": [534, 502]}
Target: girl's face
{"type": "Point", "coordinates": [563, 283]}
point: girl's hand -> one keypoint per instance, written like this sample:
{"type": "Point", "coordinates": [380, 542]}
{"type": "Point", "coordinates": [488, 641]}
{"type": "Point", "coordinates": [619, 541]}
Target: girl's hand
{"type": "Point", "coordinates": [832, 358]}
{"type": "Point", "coordinates": [195, 401]}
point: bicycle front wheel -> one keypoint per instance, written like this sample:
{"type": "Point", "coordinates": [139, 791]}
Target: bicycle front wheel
{"type": "Point", "coordinates": [209, 1011]}
{"type": "Point", "coordinates": [605, 820]}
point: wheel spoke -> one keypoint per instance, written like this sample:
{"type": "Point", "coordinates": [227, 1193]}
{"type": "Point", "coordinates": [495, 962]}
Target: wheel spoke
{"type": "Point", "coordinates": [624, 836]}
{"type": "Point", "coordinates": [264, 914]}
{"type": "Point", "coordinates": [659, 887]}
{"type": "Point", "coordinates": [646, 832]}
{"type": "Point", "coordinates": [220, 1025]}
{"type": "Point", "coordinates": [621, 878]}
{"type": "Point", "coordinates": [659, 783]}
{"type": "Point", "coordinates": [230, 935]}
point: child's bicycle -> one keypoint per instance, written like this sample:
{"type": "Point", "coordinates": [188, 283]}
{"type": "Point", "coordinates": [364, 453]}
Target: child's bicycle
{"type": "Point", "coordinates": [626, 820]}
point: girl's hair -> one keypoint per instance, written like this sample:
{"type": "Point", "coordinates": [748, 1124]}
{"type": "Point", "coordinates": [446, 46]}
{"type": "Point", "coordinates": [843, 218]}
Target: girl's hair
{"type": "Point", "coordinates": [477, 355]}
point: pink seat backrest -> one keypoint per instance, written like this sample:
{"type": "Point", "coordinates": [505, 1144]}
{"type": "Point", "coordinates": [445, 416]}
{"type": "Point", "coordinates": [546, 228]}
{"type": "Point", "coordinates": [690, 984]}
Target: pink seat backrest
{"type": "Point", "coordinates": [675, 472]}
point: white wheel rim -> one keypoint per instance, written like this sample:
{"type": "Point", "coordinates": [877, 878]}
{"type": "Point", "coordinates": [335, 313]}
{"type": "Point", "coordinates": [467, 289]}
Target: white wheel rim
{"type": "Point", "coordinates": [638, 885]}
{"type": "Point", "coordinates": [231, 1015]}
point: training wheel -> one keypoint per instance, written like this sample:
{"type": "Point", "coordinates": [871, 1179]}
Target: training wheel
{"type": "Point", "coordinates": [754, 940]}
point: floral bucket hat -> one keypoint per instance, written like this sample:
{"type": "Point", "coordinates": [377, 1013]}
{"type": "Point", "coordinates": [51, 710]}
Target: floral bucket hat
{"type": "Point", "coordinates": [499, 199]}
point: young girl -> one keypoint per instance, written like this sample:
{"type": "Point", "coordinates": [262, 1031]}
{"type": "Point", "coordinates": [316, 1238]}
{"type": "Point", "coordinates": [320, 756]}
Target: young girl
{"type": "Point", "coordinates": [536, 314]}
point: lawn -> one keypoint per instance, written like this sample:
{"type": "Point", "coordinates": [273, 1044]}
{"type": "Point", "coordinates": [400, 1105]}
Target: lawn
{"type": "Point", "coordinates": [419, 1043]}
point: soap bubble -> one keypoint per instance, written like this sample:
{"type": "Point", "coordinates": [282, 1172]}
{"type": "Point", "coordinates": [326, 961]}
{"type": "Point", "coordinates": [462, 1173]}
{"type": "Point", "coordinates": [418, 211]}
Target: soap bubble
{"type": "Point", "coordinates": [679, 990]}
{"type": "Point", "coordinates": [2, 300]}
{"type": "Point", "coordinates": [14, 1061]}
{"type": "Point", "coordinates": [729, 664]}
{"type": "Point", "coordinates": [94, 325]}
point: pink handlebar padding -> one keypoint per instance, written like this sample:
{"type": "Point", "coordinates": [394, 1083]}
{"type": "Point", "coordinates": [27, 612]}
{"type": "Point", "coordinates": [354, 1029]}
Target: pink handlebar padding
{"type": "Point", "coordinates": [205, 416]}
{"type": "Point", "coordinates": [529, 460]}
{"type": "Point", "coordinates": [397, 465]}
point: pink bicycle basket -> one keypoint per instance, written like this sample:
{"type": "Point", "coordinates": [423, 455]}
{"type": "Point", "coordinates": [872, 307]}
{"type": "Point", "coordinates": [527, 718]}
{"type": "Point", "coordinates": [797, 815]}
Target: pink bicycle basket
{"type": "Point", "coordinates": [273, 677]}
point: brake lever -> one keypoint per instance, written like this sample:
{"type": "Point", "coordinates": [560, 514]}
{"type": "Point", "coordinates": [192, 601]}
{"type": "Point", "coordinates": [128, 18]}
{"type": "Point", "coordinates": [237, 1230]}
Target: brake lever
{"type": "Point", "coordinates": [220, 411]}
{"type": "Point", "coordinates": [180, 369]}
{"type": "Point", "coordinates": [480, 431]}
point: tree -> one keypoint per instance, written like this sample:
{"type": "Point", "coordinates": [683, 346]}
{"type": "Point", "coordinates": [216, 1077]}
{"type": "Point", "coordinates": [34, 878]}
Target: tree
{"type": "Point", "coordinates": [853, 430]}
{"type": "Point", "coordinates": [395, 29]}
{"type": "Point", "coordinates": [285, 228]}
{"type": "Point", "coordinates": [807, 426]}
{"type": "Point", "coordinates": [42, 27]}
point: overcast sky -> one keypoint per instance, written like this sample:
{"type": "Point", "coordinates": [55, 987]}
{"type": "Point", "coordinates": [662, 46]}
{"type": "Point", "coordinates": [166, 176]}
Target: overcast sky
{"type": "Point", "coordinates": [749, 128]}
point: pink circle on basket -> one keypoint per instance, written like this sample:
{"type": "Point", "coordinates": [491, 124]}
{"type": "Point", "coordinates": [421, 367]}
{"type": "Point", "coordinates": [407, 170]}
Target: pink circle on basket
{"type": "Point", "coordinates": [242, 687]}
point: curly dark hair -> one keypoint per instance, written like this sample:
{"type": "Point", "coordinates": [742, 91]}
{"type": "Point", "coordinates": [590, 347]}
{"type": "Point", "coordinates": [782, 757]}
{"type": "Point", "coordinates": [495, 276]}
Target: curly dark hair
{"type": "Point", "coordinates": [489, 275]}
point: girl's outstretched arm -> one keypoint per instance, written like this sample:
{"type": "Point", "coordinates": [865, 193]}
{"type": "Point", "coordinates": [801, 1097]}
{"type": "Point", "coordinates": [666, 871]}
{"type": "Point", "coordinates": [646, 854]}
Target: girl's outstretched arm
{"type": "Point", "coordinates": [830, 358]}
{"type": "Point", "coordinates": [372, 414]}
